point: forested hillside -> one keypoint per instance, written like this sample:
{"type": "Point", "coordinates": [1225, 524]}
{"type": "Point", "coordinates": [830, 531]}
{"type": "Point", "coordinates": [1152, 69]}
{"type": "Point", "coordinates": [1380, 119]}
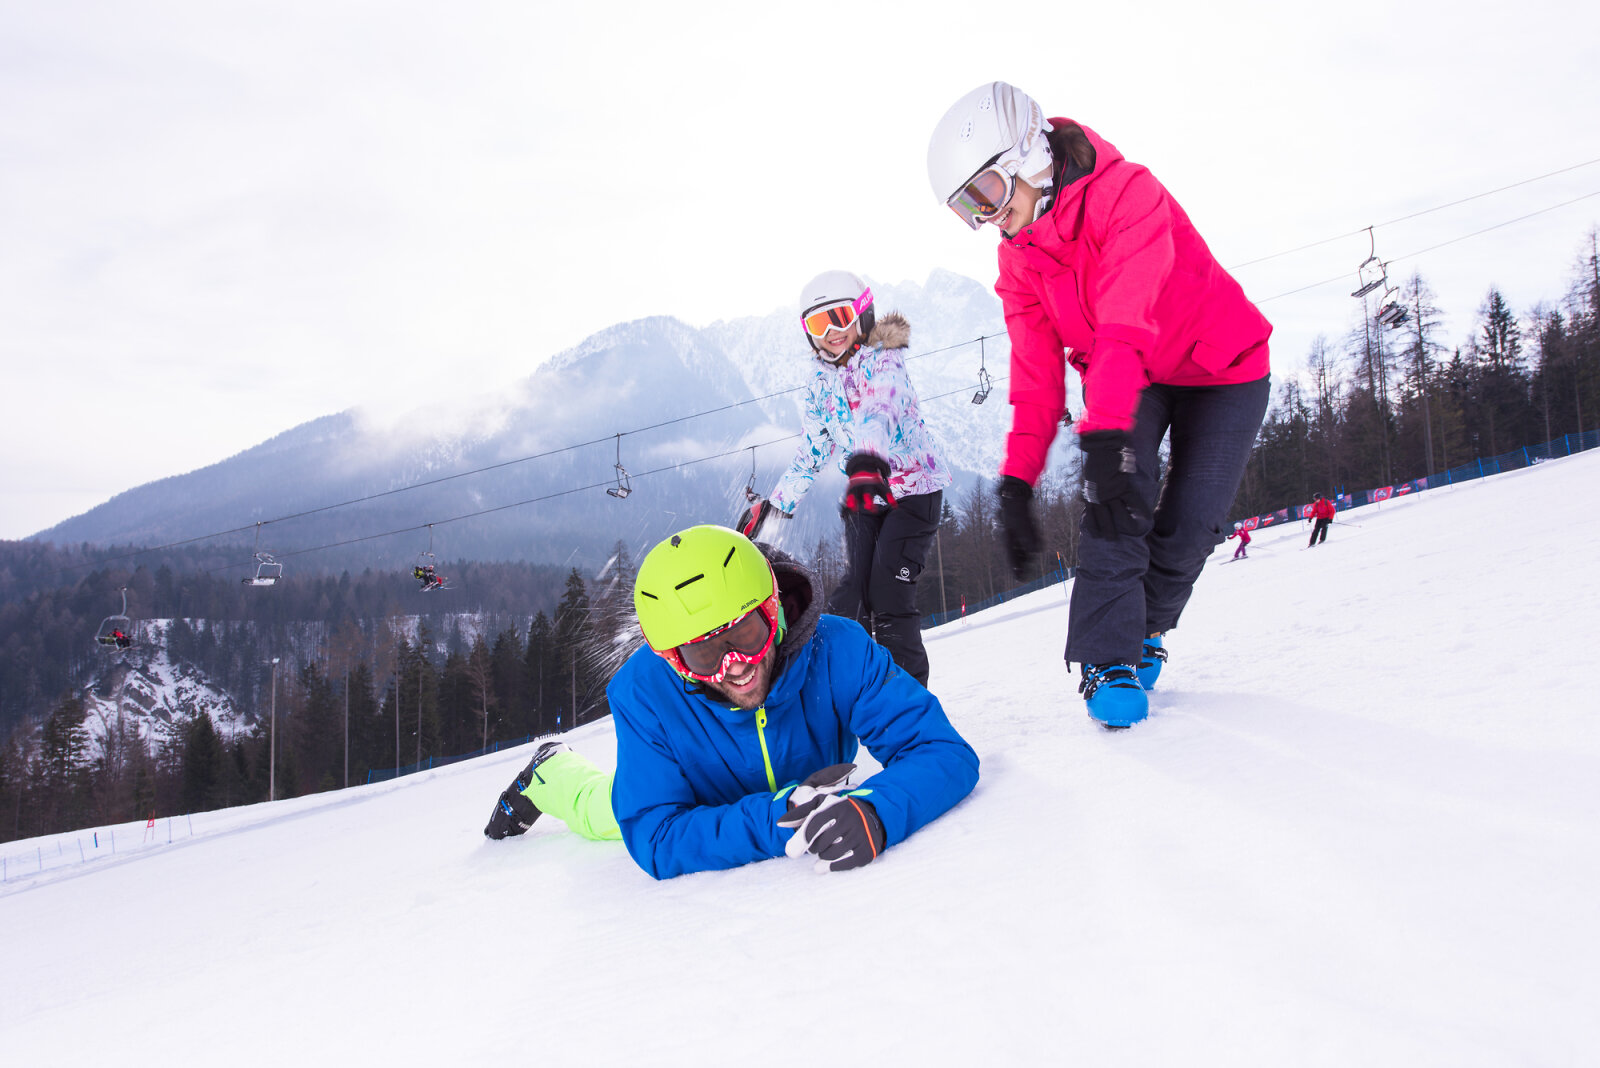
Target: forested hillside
{"type": "Point", "coordinates": [1384, 405]}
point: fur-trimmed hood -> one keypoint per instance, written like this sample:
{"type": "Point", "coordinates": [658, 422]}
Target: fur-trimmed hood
{"type": "Point", "coordinates": [891, 332]}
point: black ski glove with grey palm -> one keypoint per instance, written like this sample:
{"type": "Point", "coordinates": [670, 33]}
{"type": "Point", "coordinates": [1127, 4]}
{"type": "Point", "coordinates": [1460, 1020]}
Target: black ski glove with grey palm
{"type": "Point", "coordinates": [1020, 529]}
{"type": "Point", "coordinates": [1111, 500]}
{"type": "Point", "coordinates": [843, 832]}
{"type": "Point", "coordinates": [803, 799]}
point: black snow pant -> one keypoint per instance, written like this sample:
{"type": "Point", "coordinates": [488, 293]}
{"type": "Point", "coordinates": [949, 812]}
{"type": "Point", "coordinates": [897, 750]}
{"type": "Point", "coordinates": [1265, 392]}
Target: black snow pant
{"type": "Point", "coordinates": [1319, 532]}
{"type": "Point", "coordinates": [1135, 585]}
{"type": "Point", "coordinates": [884, 556]}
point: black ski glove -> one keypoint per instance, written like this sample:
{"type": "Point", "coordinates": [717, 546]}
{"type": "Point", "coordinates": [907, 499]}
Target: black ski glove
{"type": "Point", "coordinates": [751, 521]}
{"type": "Point", "coordinates": [1111, 501]}
{"type": "Point", "coordinates": [1020, 529]}
{"type": "Point", "coordinates": [868, 490]}
{"type": "Point", "coordinates": [843, 832]}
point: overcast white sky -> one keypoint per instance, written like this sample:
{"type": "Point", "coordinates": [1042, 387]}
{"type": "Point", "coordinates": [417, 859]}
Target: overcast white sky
{"type": "Point", "coordinates": [219, 220]}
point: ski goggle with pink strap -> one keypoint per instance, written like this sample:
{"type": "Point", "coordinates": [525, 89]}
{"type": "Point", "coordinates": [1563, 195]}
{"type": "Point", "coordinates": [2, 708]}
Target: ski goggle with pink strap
{"type": "Point", "coordinates": [836, 316]}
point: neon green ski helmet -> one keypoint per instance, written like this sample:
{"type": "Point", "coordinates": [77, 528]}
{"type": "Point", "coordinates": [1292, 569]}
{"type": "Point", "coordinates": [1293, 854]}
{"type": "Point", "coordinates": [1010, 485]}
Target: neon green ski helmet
{"type": "Point", "coordinates": [696, 581]}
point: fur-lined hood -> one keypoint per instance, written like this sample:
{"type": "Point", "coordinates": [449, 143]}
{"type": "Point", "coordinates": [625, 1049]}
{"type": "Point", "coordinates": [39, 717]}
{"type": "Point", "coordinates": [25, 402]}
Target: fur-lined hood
{"type": "Point", "coordinates": [890, 332]}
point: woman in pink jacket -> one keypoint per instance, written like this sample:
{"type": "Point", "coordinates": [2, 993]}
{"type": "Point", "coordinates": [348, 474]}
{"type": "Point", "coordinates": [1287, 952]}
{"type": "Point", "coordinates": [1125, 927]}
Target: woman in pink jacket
{"type": "Point", "coordinates": [1100, 267]}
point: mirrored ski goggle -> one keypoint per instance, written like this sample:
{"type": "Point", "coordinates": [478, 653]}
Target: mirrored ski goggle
{"type": "Point", "coordinates": [745, 640]}
{"type": "Point", "coordinates": [984, 196]}
{"type": "Point", "coordinates": [837, 316]}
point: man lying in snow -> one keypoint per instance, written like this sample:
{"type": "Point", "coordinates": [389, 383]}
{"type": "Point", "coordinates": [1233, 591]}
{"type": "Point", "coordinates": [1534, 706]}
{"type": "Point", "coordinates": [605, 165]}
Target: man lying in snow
{"type": "Point", "coordinates": [736, 728]}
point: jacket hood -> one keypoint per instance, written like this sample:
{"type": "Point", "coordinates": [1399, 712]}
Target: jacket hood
{"type": "Point", "coordinates": [802, 605]}
{"type": "Point", "coordinates": [891, 332]}
{"type": "Point", "coordinates": [1105, 153]}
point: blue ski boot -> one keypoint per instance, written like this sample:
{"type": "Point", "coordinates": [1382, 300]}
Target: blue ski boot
{"type": "Point", "coordinates": [1114, 695]}
{"type": "Point", "coordinates": [1150, 666]}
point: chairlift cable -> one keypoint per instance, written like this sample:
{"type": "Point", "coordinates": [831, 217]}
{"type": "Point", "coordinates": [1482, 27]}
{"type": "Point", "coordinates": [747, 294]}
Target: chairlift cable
{"type": "Point", "coordinates": [1413, 215]}
{"type": "Point", "coordinates": [793, 389]}
{"type": "Point", "coordinates": [1412, 255]}
{"type": "Point", "coordinates": [513, 504]}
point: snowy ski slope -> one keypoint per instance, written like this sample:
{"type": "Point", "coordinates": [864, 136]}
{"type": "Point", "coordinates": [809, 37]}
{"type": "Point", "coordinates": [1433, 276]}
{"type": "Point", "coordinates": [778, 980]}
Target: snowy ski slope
{"type": "Point", "coordinates": [1362, 826]}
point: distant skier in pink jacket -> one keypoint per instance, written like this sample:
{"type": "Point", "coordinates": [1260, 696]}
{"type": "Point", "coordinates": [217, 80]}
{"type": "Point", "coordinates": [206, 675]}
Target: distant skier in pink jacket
{"type": "Point", "coordinates": [1100, 267]}
{"type": "Point", "coordinates": [1243, 534]}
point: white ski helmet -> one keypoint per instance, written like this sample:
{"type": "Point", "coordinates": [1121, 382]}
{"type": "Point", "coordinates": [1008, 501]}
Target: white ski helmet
{"type": "Point", "coordinates": [995, 123]}
{"type": "Point", "coordinates": [835, 287]}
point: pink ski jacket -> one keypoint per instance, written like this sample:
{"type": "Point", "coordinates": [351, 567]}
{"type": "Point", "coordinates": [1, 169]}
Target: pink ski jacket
{"type": "Point", "coordinates": [1115, 278]}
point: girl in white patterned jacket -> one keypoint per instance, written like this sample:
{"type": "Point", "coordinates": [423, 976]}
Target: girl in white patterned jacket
{"type": "Point", "coordinates": [860, 404]}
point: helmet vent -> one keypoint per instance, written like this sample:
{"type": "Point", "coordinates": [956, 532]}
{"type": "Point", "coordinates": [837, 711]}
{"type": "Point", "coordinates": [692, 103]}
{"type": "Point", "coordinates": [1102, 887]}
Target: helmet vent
{"type": "Point", "coordinates": [688, 581]}
{"type": "Point", "coordinates": [725, 559]}
{"type": "Point", "coordinates": [966, 131]}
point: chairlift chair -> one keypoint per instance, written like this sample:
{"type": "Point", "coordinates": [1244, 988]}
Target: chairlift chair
{"type": "Point", "coordinates": [1373, 273]}
{"type": "Point", "coordinates": [751, 496]}
{"type": "Point", "coordinates": [268, 571]}
{"type": "Point", "coordinates": [1372, 276]}
{"type": "Point", "coordinates": [1391, 312]}
{"type": "Point", "coordinates": [984, 384]}
{"type": "Point", "coordinates": [624, 486]}
{"type": "Point", "coordinates": [426, 570]}
{"type": "Point", "coordinates": [116, 632]}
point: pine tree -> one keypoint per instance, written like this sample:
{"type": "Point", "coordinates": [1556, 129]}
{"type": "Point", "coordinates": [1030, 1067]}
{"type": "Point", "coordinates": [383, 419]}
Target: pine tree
{"type": "Point", "coordinates": [480, 677]}
{"type": "Point", "coordinates": [507, 683]}
{"type": "Point", "coordinates": [1502, 383]}
{"type": "Point", "coordinates": [203, 757]}
{"type": "Point", "coordinates": [573, 631]}
{"type": "Point", "coordinates": [543, 678]}
{"type": "Point", "coordinates": [62, 767]}
{"type": "Point", "coordinates": [1420, 354]}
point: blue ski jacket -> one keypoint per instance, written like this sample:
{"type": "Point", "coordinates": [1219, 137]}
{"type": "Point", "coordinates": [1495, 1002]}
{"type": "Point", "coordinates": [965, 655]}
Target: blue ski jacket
{"type": "Point", "coordinates": [701, 786]}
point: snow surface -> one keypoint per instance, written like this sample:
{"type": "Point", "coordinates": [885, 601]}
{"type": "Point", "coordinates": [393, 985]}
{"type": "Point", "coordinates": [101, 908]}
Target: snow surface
{"type": "Point", "coordinates": [1361, 827]}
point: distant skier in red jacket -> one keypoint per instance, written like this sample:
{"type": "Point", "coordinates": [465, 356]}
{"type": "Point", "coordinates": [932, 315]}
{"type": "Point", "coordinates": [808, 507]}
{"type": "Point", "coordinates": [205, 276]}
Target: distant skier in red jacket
{"type": "Point", "coordinates": [1243, 534]}
{"type": "Point", "coordinates": [1322, 512]}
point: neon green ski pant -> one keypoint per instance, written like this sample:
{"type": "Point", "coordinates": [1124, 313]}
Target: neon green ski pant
{"type": "Point", "coordinates": [570, 788]}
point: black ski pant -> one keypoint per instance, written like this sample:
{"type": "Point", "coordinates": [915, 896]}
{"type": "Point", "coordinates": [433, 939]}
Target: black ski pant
{"type": "Point", "coordinates": [1137, 584]}
{"type": "Point", "coordinates": [1319, 532]}
{"type": "Point", "coordinates": [884, 555]}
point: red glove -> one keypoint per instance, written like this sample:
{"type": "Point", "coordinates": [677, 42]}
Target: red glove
{"type": "Point", "coordinates": [868, 490]}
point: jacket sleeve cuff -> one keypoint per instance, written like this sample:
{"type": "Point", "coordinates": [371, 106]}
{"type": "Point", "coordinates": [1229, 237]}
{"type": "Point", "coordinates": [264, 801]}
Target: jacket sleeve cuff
{"type": "Point", "coordinates": [1033, 428]}
{"type": "Point", "coordinates": [1111, 386]}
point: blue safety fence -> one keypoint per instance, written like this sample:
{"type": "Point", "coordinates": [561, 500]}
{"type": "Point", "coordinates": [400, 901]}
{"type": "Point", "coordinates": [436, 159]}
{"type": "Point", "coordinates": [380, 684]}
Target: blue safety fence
{"type": "Point", "coordinates": [1049, 578]}
{"type": "Point", "coordinates": [1480, 467]}
{"type": "Point", "coordinates": [1526, 456]}
{"type": "Point", "coordinates": [427, 763]}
